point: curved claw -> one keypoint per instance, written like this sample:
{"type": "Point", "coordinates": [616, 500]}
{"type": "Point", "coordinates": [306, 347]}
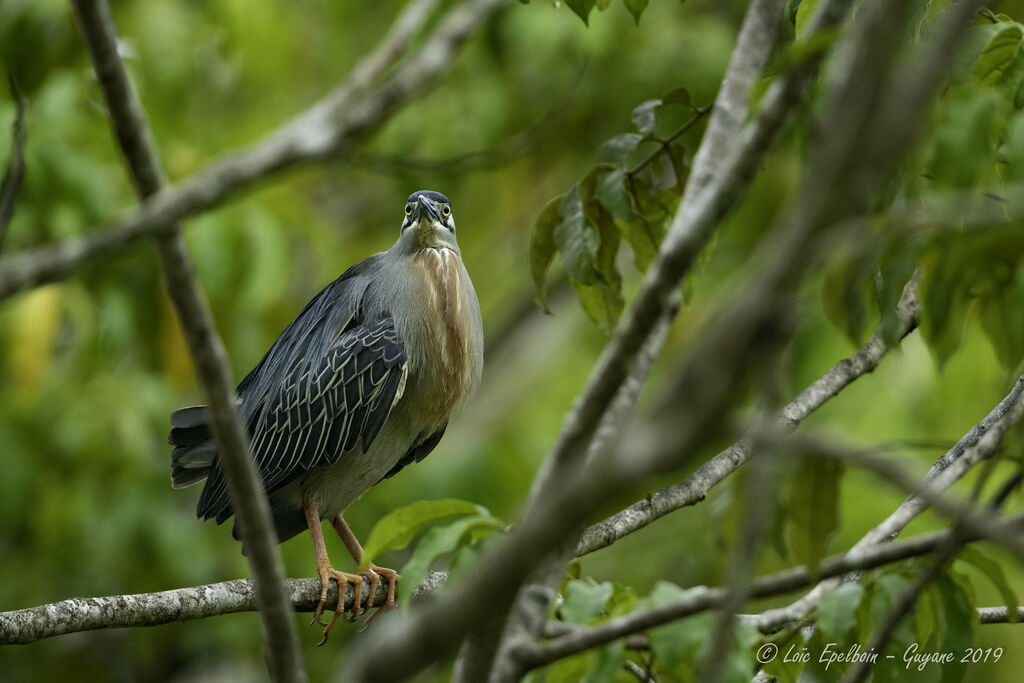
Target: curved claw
{"type": "Point", "coordinates": [328, 573]}
{"type": "Point", "coordinates": [389, 575]}
{"type": "Point", "coordinates": [374, 573]}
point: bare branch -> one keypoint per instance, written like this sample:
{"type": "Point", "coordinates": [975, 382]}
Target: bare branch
{"type": "Point", "coordinates": [248, 500]}
{"type": "Point", "coordinates": [999, 615]}
{"type": "Point", "coordinates": [325, 130]}
{"type": "Point", "coordinates": [702, 598]}
{"type": "Point", "coordinates": [16, 163]}
{"type": "Point", "coordinates": [694, 488]}
{"type": "Point", "coordinates": [182, 604]}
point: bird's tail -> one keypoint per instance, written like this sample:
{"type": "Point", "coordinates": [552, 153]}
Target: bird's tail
{"type": "Point", "coordinates": [194, 447]}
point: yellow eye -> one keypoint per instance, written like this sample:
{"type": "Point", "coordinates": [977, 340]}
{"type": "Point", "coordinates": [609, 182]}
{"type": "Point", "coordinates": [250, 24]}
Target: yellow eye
{"type": "Point", "coordinates": [446, 211]}
{"type": "Point", "coordinates": [408, 209]}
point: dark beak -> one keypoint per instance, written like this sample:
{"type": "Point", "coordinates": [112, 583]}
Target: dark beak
{"type": "Point", "coordinates": [426, 210]}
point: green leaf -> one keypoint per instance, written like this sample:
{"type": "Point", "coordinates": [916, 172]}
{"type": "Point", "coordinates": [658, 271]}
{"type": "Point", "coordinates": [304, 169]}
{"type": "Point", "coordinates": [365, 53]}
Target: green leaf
{"type": "Point", "coordinates": [395, 529]}
{"type": "Point", "coordinates": [644, 239]}
{"type": "Point", "coordinates": [837, 610]}
{"type": "Point", "coordinates": [680, 168]}
{"type": "Point", "coordinates": [645, 118]}
{"type": "Point", "coordinates": [602, 304]}
{"type": "Point", "coordinates": [636, 8]}
{"type": "Point", "coordinates": [845, 292]}
{"type": "Point", "coordinates": [998, 53]}
{"type": "Point", "coordinates": [436, 542]}
{"type": "Point", "coordinates": [994, 571]}
{"type": "Point", "coordinates": [542, 248]}
{"type": "Point", "coordinates": [585, 600]}
{"type": "Point", "coordinates": [811, 500]}
{"type": "Point", "coordinates": [897, 267]}
{"type": "Point", "coordinates": [577, 239]}
{"type": "Point", "coordinates": [1009, 81]}
{"type": "Point", "coordinates": [925, 614]}
{"type": "Point", "coordinates": [609, 662]}
{"type": "Point", "coordinates": [623, 601]}
{"type": "Point", "coordinates": [581, 8]}
{"type": "Point", "coordinates": [957, 617]}
{"type": "Point", "coordinates": [610, 190]}
{"type": "Point", "coordinates": [964, 139]}
{"type": "Point", "coordinates": [606, 258]}
{"type": "Point", "coordinates": [785, 669]}
{"type": "Point", "coordinates": [804, 14]}
{"type": "Point", "coordinates": [678, 96]}
{"type": "Point", "coordinates": [739, 664]}
{"type": "Point", "coordinates": [1012, 150]}
{"type": "Point", "coordinates": [672, 642]}
{"type": "Point", "coordinates": [617, 149]}
{"type": "Point", "coordinates": [944, 302]}
{"type": "Point", "coordinates": [890, 588]}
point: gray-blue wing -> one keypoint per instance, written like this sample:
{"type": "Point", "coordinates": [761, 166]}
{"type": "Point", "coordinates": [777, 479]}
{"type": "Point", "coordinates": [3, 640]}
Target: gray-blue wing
{"type": "Point", "coordinates": [325, 408]}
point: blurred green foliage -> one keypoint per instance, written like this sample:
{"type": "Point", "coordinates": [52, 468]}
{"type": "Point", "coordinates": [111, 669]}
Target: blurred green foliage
{"type": "Point", "coordinates": [90, 367]}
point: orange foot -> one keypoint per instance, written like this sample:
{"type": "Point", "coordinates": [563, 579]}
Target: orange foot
{"type": "Point", "coordinates": [373, 573]}
{"type": "Point", "coordinates": [391, 576]}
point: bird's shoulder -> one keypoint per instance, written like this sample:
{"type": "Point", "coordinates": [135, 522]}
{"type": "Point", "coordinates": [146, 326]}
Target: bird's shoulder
{"type": "Point", "coordinates": [336, 307]}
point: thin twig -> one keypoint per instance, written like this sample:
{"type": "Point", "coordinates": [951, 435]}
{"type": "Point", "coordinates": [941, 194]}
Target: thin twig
{"type": "Point", "coordinates": [248, 499]}
{"type": "Point", "coordinates": [16, 163]}
{"type": "Point", "coordinates": [698, 114]}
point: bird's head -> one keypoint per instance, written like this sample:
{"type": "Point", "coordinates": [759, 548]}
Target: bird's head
{"type": "Point", "coordinates": [428, 223]}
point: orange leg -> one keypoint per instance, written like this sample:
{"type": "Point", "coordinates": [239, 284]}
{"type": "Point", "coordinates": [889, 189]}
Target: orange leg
{"type": "Point", "coordinates": [327, 572]}
{"type": "Point", "coordinates": [375, 573]}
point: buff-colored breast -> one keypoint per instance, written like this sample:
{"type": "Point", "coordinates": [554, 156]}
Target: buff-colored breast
{"type": "Point", "coordinates": [449, 369]}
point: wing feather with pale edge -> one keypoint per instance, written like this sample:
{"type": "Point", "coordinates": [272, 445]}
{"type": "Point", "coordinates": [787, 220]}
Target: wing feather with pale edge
{"type": "Point", "coordinates": [321, 411]}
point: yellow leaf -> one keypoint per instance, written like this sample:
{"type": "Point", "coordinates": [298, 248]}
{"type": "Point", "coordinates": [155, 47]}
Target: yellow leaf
{"type": "Point", "coordinates": [35, 321]}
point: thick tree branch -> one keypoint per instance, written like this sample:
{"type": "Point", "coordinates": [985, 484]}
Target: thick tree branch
{"type": "Point", "coordinates": [247, 497]}
{"type": "Point", "coordinates": [694, 488]}
{"type": "Point", "coordinates": [15, 163]}
{"type": "Point", "coordinates": [323, 131]}
{"type": "Point", "coordinates": [702, 598]}
{"type": "Point", "coordinates": [182, 604]}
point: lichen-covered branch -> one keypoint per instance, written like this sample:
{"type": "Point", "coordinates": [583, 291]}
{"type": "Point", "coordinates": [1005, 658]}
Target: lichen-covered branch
{"type": "Point", "coordinates": [182, 604]}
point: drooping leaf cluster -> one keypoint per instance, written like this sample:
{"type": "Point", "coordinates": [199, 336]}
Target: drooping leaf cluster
{"type": "Point", "coordinates": [954, 214]}
{"type": "Point", "coordinates": [620, 198]}
{"type": "Point", "coordinates": [583, 8]}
